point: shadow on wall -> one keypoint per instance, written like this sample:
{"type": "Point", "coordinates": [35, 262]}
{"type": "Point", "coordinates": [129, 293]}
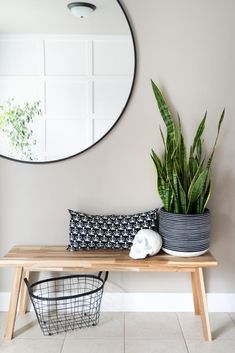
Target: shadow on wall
{"type": "Point", "coordinates": [223, 220]}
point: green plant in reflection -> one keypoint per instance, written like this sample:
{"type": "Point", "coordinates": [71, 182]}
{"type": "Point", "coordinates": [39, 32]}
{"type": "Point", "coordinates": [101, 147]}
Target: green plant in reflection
{"type": "Point", "coordinates": [16, 123]}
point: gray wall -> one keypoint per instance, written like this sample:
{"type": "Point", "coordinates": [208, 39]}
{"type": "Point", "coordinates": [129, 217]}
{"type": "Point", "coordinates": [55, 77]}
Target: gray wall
{"type": "Point", "coordinates": [187, 47]}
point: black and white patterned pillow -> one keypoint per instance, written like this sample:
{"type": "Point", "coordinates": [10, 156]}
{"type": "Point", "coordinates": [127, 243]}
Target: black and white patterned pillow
{"type": "Point", "coordinates": [107, 232]}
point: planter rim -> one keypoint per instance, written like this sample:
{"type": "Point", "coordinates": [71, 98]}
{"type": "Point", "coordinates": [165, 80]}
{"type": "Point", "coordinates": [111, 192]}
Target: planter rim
{"type": "Point", "coordinates": [184, 214]}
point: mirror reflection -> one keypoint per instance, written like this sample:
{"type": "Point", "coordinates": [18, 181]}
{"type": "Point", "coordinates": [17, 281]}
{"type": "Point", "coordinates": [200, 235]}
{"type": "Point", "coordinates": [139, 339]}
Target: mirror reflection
{"type": "Point", "coordinates": [64, 78]}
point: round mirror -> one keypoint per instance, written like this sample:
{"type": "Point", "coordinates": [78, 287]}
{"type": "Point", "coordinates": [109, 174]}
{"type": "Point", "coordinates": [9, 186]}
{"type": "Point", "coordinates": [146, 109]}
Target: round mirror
{"type": "Point", "coordinates": [66, 74]}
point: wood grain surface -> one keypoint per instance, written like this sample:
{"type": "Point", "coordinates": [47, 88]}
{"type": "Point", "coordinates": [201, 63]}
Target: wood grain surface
{"type": "Point", "coordinates": [58, 258]}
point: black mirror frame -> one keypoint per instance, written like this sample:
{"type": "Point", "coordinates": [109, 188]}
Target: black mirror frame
{"type": "Point", "coordinates": [117, 120]}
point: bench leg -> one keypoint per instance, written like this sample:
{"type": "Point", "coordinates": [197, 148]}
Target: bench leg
{"type": "Point", "coordinates": [195, 294]}
{"type": "Point", "coordinates": [13, 303]}
{"type": "Point", "coordinates": [203, 304]}
{"type": "Point", "coordinates": [23, 295]}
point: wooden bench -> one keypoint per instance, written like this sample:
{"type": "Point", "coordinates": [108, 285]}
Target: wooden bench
{"type": "Point", "coordinates": [25, 259]}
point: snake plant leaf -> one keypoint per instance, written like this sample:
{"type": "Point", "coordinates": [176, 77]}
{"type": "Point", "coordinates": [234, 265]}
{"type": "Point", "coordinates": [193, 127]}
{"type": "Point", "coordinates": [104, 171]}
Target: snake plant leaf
{"type": "Point", "coordinates": [164, 143]}
{"type": "Point", "coordinates": [165, 192]}
{"type": "Point", "coordinates": [162, 184]}
{"type": "Point", "coordinates": [183, 163]}
{"type": "Point", "coordinates": [182, 196]}
{"type": "Point", "coordinates": [203, 198]}
{"type": "Point", "coordinates": [169, 166]}
{"type": "Point", "coordinates": [197, 188]}
{"type": "Point", "coordinates": [182, 153]}
{"type": "Point", "coordinates": [181, 146]}
{"type": "Point", "coordinates": [177, 140]}
{"type": "Point", "coordinates": [177, 136]}
{"type": "Point", "coordinates": [175, 206]}
{"type": "Point", "coordinates": [197, 173]}
{"type": "Point", "coordinates": [157, 163]}
{"type": "Point", "coordinates": [163, 138]}
{"type": "Point", "coordinates": [164, 110]}
{"type": "Point", "coordinates": [193, 167]}
{"type": "Point", "coordinates": [177, 192]}
{"type": "Point", "coordinates": [206, 196]}
{"type": "Point", "coordinates": [175, 185]}
{"type": "Point", "coordinates": [184, 180]}
{"type": "Point", "coordinates": [216, 140]}
{"type": "Point", "coordinates": [196, 208]}
{"type": "Point", "coordinates": [199, 150]}
{"type": "Point", "coordinates": [178, 168]}
{"type": "Point", "coordinates": [199, 132]}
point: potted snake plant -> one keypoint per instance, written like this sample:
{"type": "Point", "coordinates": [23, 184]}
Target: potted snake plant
{"type": "Point", "coordinates": [184, 184]}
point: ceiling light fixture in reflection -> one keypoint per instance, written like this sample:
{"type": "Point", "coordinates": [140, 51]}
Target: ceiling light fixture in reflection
{"type": "Point", "coordinates": [81, 9]}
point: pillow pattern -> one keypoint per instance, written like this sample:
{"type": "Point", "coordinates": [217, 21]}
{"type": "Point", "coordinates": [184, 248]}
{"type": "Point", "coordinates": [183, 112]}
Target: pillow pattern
{"type": "Point", "coordinates": [107, 232]}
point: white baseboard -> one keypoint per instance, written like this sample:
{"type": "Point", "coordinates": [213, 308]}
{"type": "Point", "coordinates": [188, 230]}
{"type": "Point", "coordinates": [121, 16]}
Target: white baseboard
{"type": "Point", "coordinates": [165, 302]}
{"type": "Point", "coordinates": [153, 302]}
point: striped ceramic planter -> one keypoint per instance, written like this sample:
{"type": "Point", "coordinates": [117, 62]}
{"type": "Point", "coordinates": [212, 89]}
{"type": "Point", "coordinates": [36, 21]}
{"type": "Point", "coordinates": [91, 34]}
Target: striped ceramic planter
{"type": "Point", "coordinates": [184, 234]}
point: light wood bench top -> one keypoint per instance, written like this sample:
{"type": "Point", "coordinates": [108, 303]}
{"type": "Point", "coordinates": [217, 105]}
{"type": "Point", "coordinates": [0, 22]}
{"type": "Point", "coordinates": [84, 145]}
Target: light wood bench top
{"type": "Point", "coordinates": [58, 258]}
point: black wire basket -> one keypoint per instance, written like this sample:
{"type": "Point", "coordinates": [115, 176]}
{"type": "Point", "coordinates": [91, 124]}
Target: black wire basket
{"type": "Point", "coordinates": [66, 303]}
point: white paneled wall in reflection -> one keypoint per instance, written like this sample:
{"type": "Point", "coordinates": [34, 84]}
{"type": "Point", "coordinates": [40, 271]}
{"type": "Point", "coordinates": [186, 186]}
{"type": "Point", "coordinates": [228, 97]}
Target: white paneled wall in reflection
{"type": "Point", "coordinates": [19, 56]}
{"type": "Point", "coordinates": [82, 83]}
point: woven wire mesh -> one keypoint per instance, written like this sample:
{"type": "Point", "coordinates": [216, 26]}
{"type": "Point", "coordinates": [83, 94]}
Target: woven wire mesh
{"type": "Point", "coordinates": [67, 303]}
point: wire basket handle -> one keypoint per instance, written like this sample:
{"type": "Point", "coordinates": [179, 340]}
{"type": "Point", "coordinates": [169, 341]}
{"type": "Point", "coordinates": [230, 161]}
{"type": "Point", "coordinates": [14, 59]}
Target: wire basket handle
{"type": "Point", "coordinates": [28, 285]}
{"type": "Point", "coordinates": [106, 274]}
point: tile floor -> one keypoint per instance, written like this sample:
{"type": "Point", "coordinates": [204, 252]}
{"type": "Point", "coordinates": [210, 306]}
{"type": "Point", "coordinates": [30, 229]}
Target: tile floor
{"type": "Point", "coordinates": [126, 333]}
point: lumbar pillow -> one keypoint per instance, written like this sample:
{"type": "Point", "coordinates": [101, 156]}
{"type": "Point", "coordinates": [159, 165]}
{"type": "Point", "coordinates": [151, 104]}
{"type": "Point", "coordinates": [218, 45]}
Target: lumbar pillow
{"type": "Point", "coordinates": [107, 232]}
{"type": "Point", "coordinates": [146, 242]}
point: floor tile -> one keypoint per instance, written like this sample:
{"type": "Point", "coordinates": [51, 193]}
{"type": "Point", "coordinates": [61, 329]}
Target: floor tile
{"type": "Point", "coordinates": [217, 346]}
{"type": "Point", "coordinates": [32, 346]}
{"type": "Point", "coordinates": [232, 315]}
{"type": "Point", "coordinates": [144, 332]}
{"type": "Point", "coordinates": [152, 326]}
{"type": "Point", "coordinates": [155, 346]}
{"type": "Point", "coordinates": [3, 320]}
{"type": "Point", "coordinates": [222, 326]}
{"type": "Point", "coordinates": [93, 346]}
{"type": "Point", "coordinates": [111, 326]}
{"type": "Point", "coordinates": [191, 325]}
{"type": "Point", "coordinates": [27, 327]}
